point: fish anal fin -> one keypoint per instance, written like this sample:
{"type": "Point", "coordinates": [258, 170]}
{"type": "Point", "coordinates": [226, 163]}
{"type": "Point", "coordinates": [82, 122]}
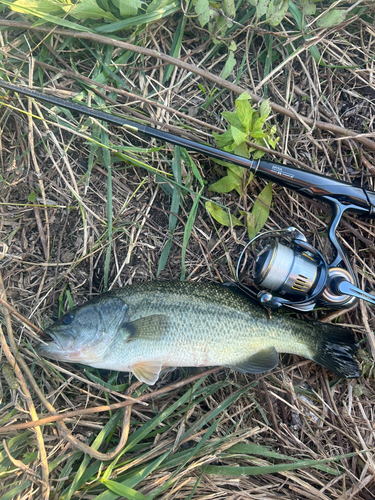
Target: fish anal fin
{"type": "Point", "coordinates": [262, 361]}
{"type": "Point", "coordinates": [150, 327]}
{"type": "Point", "coordinates": [147, 371]}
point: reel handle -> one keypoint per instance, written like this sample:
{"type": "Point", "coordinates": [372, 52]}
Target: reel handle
{"type": "Point", "coordinates": [345, 287]}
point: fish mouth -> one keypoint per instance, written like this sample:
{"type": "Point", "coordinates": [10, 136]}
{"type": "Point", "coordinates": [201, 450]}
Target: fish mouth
{"type": "Point", "coordinates": [57, 344]}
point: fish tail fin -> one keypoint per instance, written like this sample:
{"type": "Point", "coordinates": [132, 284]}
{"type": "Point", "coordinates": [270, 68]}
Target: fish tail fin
{"type": "Point", "coordinates": [334, 349]}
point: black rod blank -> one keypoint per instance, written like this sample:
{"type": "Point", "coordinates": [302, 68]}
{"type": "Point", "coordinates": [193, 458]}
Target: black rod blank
{"type": "Point", "coordinates": [309, 184]}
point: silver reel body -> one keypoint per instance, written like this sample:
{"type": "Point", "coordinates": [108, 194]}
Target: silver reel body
{"type": "Point", "coordinates": [296, 275]}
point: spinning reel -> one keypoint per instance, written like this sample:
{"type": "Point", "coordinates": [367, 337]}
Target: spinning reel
{"type": "Point", "coordinates": [299, 275]}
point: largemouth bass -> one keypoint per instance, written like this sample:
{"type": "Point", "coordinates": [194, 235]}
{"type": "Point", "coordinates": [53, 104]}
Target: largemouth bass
{"type": "Point", "coordinates": [150, 327]}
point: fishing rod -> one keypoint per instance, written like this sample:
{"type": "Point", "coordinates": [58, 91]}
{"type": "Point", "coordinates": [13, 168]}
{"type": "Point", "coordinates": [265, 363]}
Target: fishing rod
{"type": "Point", "coordinates": [298, 275]}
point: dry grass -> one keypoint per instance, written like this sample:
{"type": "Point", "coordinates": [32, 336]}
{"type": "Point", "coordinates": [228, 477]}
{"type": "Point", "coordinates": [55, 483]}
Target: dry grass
{"type": "Point", "coordinates": [54, 228]}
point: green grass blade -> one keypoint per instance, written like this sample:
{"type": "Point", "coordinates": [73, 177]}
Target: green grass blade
{"type": "Point", "coordinates": [66, 471]}
{"type": "Point", "coordinates": [256, 449]}
{"type": "Point", "coordinates": [48, 17]}
{"type": "Point", "coordinates": [106, 385]}
{"type": "Point", "coordinates": [215, 412]}
{"type": "Point", "coordinates": [164, 257]}
{"type": "Point", "coordinates": [140, 20]}
{"type": "Point", "coordinates": [195, 486]}
{"type": "Point", "coordinates": [189, 457]}
{"type": "Point", "coordinates": [123, 490]}
{"type": "Point", "coordinates": [93, 149]}
{"type": "Point", "coordinates": [158, 419]}
{"type": "Point", "coordinates": [138, 163]}
{"type": "Point", "coordinates": [176, 197]}
{"type": "Point", "coordinates": [175, 205]}
{"type": "Point", "coordinates": [14, 492]}
{"type": "Point", "coordinates": [193, 211]}
{"type": "Point", "coordinates": [176, 46]}
{"type": "Point", "coordinates": [79, 478]}
{"type": "Point", "coordinates": [301, 26]}
{"type": "Point", "coordinates": [225, 470]}
{"type": "Point", "coordinates": [112, 67]}
{"type": "Point", "coordinates": [268, 63]}
{"type": "Point", "coordinates": [264, 451]}
{"type": "Point", "coordinates": [136, 478]}
{"type": "Point", "coordinates": [187, 158]}
{"type": "Point", "coordinates": [16, 446]}
{"type": "Point", "coordinates": [145, 430]}
{"type": "Point", "coordinates": [107, 164]}
{"type": "Point", "coordinates": [187, 232]}
{"type": "Point", "coordinates": [6, 417]}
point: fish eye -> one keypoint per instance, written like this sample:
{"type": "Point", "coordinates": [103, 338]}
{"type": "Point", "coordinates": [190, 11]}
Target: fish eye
{"type": "Point", "coordinates": [67, 318]}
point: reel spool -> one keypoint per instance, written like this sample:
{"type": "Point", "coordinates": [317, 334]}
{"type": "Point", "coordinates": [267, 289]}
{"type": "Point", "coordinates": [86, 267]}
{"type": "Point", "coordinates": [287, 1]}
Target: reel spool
{"type": "Point", "coordinates": [298, 275]}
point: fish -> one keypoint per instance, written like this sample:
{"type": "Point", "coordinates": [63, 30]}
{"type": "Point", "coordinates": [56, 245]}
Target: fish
{"type": "Point", "coordinates": [151, 327]}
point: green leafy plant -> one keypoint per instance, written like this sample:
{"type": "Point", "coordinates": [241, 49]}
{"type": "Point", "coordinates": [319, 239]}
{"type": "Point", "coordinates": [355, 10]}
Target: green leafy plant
{"type": "Point", "coordinates": [211, 13]}
{"type": "Point", "coordinates": [115, 12]}
{"type": "Point", "coordinates": [274, 11]}
{"type": "Point", "coordinates": [218, 18]}
{"type": "Point", "coordinates": [246, 124]}
{"type": "Point", "coordinates": [209, 95]}
{"type": "Point", "coordinates": [33, 196]}
{"type": "Point", "coordinates": [259, 213]}
{"type": "Point", "coordinates": [223, 217]}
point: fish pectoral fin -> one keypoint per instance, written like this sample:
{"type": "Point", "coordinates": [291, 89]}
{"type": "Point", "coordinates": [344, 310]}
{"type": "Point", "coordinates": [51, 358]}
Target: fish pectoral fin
{"type": "Point", "coordinates": [150, 327]}
{"type": "Point", "coordinates": [147, 371]}
{"type": "Point", "coordinates": [262, 361]}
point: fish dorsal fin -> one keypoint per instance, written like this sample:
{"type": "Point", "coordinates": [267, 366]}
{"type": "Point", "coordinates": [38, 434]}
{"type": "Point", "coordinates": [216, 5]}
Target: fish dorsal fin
{"type": "Point", "coordinates": [147, 371]}
{"type": "Point", "coordinates": [262, 361]}
{"type": "Point", "coordinates": [150, 327]}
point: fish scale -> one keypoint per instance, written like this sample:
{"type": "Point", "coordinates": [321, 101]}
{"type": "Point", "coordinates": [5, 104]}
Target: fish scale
{"type": "Point", "coordinates": [149, 327]}
{"type": "Point", "coordinates": [190, 340]}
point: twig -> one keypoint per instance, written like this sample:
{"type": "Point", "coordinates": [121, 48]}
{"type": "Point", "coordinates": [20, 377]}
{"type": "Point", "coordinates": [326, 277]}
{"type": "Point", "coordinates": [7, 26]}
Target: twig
{"type": "Point", "coordinates": [105, 408]}
{"type": "Point", "coordinates": [335, 129]}
{"type": "Point", "coordinates": [136, 97]}
{"type": "Point", "coordinates": [29, 401]}
{"type": "Point", "coordinates": [20, 317]}
{"type": "Point", "coordinates": [19, 463]}
{"type": "Point", "coordinates": [62, 427]}
{"type": "Point", "coordinates": [93, 384]}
